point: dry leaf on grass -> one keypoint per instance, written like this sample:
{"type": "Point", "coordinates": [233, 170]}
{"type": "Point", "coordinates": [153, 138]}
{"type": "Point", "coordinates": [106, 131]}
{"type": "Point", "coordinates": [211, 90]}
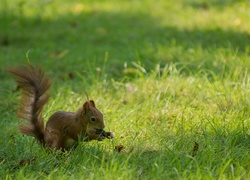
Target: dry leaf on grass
{"type": "Point", "coordinates": [195, 149]}
{"type": "Point", "coordinates": [119, 148]}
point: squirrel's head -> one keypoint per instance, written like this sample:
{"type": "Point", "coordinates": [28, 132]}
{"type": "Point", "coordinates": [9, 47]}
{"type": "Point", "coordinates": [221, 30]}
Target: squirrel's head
{"type": "Point", "coordinates": [92, 117]}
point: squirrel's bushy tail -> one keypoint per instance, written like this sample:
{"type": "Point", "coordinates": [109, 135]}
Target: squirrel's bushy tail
{"type": "Point", "coordinates": [35, 85]}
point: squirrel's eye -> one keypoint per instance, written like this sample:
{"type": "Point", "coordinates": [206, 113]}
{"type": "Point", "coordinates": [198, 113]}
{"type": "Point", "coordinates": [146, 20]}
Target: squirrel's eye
{"type": "Point", "coordinates": [93, 119]}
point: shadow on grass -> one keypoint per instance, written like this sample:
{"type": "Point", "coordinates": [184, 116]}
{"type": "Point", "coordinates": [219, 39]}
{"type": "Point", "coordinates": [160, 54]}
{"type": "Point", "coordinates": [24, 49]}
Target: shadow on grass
{"type": "Point", "coordinates": [81, 42]}
{"type": "Point", "coordinates": [205, 5]}
{"type": "Point", "coordinates": [214, 149]}
{"type": "Point", "coordinates": [185, 154]}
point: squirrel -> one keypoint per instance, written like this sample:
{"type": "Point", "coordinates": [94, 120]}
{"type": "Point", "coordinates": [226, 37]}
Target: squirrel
{"type": "Point", "coordinates": [86, 123]}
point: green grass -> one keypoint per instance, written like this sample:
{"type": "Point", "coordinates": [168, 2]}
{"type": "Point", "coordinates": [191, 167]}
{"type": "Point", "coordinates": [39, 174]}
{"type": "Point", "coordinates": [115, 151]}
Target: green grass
{"type": "Point", "coordinates": [165, 74]}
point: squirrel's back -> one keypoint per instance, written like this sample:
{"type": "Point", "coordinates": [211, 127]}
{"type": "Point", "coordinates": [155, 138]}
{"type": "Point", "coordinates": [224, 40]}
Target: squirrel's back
{"type": "Point", "coordinates": [34, 85]}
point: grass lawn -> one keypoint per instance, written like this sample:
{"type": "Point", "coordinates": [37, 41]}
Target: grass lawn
{"type": "Point", "coordinates": [172, 79]}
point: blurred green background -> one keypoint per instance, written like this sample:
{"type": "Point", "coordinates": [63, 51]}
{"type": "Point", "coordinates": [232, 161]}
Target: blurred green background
{"type": "Point", "coordinates": [66, 36]}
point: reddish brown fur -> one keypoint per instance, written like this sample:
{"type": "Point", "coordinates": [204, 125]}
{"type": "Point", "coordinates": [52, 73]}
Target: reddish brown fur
{"type": "Point", "coordinates": [34, 97]}
{"type": "Point", "coordinates": [61, 126]}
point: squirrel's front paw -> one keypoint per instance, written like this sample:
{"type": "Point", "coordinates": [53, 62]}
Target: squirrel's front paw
{"type": "Point", "coordinates": [103, 134]}
{"type": "Point", "coordinates": [100, 138]}
{"type": "Point", "coordinates": [109, 135]}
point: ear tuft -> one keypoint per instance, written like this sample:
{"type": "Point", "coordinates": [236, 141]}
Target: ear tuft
{"type": "Point", "coordinates": [87, 104]}
{"type": "Point", "coordinates": [85, 107]}
{"type": "Point", "coordinates": [92, 103]}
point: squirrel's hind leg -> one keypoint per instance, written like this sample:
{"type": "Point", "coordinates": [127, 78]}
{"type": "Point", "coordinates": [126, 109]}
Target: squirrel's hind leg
{"type": "Point", "coordinates": [54, 139]}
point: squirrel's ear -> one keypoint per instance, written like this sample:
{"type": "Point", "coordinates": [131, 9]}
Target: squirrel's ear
{"type": "Point", "coordinates": [92, 103]}
{"type": "Point", "coordinates": [85, 107]}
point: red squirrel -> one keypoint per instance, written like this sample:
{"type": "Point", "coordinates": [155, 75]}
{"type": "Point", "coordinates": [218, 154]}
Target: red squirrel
{"type": "Point", "coordinates": [86, 123]}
